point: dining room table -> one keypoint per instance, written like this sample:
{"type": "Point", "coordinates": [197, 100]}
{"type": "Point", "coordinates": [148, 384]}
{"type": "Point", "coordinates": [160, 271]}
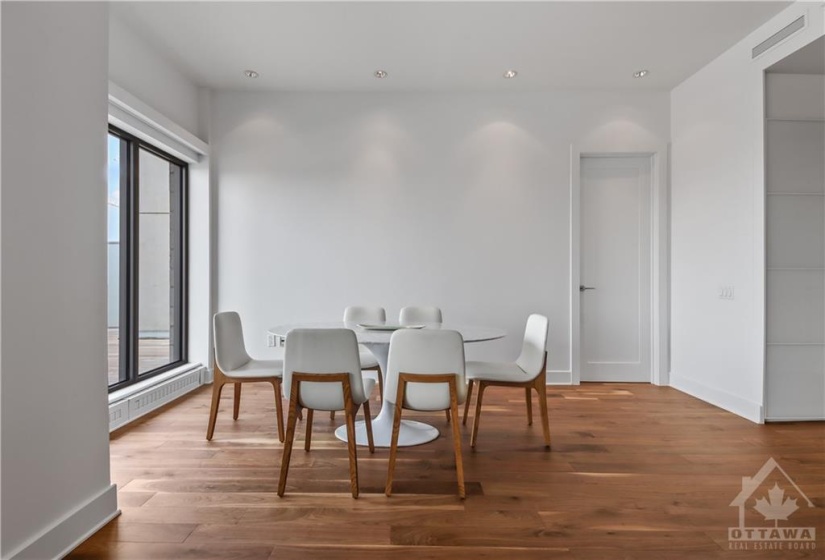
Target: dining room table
{"type": "Point", "coordinates": [376, 338]}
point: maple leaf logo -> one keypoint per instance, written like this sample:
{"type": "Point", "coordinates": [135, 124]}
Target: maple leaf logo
{"type": "Point", "coordinates": [776, 507]}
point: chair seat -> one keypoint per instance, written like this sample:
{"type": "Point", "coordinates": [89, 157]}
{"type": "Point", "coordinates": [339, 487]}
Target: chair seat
{"type": "Point", "coordinates": [496, 371]}
{"type": "Point", "coordinates": [367, 359]}
{"type": "Point", "coordinates": [258, 368]}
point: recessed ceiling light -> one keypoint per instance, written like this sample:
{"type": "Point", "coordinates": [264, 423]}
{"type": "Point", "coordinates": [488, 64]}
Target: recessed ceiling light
{"type": "Point", "coordinates": [250, 74]}
{"type": "Point", "coordinates": [510, 74]}
{"type": "Point", "coordinates": [380, 74]}
{"type": "Point", "coordinates": [640, 73]}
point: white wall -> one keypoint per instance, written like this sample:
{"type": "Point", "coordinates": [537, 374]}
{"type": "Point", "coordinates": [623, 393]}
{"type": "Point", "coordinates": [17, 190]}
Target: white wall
{"type": "Point", "coordinates": [136, 66]}
{"type": "Point", "coordinates": [55, 442]}
{"type": "Point", "coordinates": [458, 200]}
{"type": "Point", "coordinates": [717, 221]}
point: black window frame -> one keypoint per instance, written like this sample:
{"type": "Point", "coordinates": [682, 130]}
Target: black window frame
{"type": "Point", "coordinates": [129, 265]}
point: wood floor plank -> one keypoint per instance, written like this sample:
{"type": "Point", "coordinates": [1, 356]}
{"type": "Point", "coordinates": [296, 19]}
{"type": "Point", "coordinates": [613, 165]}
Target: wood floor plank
{"type": "Point", "coordinates": [372, 552]}
{"type": "Point", "coordinates": [636, 472]}
{"type": "Point", "coordinates": [193, 515]}
{"type": "Point", "coordinates": [298, 532]}
{"type": "Point", "coordinates": [133, 499]}
{"type": "Point", "coordinates": [101, 550]}
{"type": "Point", "coordinates": [126, 530]}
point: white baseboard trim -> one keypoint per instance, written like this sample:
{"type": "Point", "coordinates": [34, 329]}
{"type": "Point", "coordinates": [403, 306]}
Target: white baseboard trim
{"type": "Point", "coordinates": [795, 419]}
{"type": "Point", "coordinates": [559, 377]}
{"type": "Point", "coordinates": [133, 402]}
{"type": "Point", "coordinates": [727, 401]}
{"type": "Point", "coordinates": [68, 532]}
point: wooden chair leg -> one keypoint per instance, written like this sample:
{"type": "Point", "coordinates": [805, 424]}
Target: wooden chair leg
{"type": "Point", "coordinates": [467, 402]}
{"type": "Point", "coordinates": [368, 425]}
{"type": "Point", "coordinates": [353, 454]}
{"type": "Point", "coordinates": [217, 387]}
{"type": "Point", "coordinates": [349, 413]}
{"type": "Point", "coordinates": [308, 429]}
{"type": "Point", "coordinates": [447, 412]}
{"type": "Point", "coordinates": [529, 401]}
{"type": "Point", "coordinates": [332, 415]}
{"type": "Point", "coordinates": [541, 389]}
{"type": "Point", "coordinates": [481, 387]}
{"type": "Point", "coordinates": [459, 464]}
{"type": "Point", "coordinates": [380, 383]}
{"type": "Point", "coordinates": [290, 437]}
{"type": "Point", "coordinates": [279, 409]}
{"type": "Point", "coordinates": [236, 407]}
{"type": "Point", "coordinates": [396, 428]}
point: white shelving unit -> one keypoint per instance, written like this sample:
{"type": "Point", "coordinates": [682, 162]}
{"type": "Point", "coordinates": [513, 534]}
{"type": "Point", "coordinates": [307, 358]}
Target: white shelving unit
{"type": "Point", "coordinates": [795, 247]}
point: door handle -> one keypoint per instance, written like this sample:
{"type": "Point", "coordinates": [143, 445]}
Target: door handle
{"type": "Point", "coordinates": [583, 288]}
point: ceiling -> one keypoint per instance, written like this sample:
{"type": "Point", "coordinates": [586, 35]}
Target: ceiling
{"type": "Point", "coordinates": [807, 60]}
{"type": "Point", "coordinates": [441, 46]}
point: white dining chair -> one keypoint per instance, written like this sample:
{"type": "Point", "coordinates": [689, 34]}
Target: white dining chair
{"type": "Point", "coordinates": [374, 315]}
{"type": "Point", "coordinates": [322, 372]}
{"type": "Point", "coordinates": [418, 314]}
{"type": "Point", "coordinates": [529, 372]}
{"type": "Point", "coordinates": [425, 372]}
{"type": "Point", "coordinates": [234, 365]}
{"type": "Point", "coordinates": [413, 314]}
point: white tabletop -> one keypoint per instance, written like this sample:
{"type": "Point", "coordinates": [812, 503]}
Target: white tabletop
{"type": "Point", "coordinates": [470, 333]}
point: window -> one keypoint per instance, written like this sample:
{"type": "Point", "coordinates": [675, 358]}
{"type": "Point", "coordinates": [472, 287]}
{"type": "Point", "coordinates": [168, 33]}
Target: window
{"type": "Point", "coordinates": [146, 260]}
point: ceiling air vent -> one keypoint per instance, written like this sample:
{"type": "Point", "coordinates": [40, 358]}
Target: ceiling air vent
{"type": "Point", "coordinates": [778, 37]}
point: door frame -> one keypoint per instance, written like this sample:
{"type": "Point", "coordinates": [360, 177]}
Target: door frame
{"type": "Point", "coordinates": [659, 258]}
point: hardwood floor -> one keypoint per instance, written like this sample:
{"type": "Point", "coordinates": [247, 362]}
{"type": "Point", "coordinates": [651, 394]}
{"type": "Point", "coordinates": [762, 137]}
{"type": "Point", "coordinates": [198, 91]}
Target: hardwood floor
{"type": "Point", "coordinates": [636, 471]}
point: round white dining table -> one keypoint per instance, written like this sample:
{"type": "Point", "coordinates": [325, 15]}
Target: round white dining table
{"type": "Point", "coordinates": [378, 342]}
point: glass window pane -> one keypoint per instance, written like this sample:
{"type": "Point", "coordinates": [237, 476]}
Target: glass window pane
{"type": "Point", "coordinates": [159, 218]}
{"type": "Point", "coordinates": [145, 244]}
{"type": "Point", "coordinates": [115, 148]}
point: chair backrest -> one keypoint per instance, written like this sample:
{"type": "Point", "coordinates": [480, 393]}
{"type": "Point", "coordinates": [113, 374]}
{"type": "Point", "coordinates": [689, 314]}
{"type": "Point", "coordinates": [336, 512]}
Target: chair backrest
{"type": "Point", "coordinates": [426, 352]}
{"type": "Point", "coordinates": [323, 351]}
{"type": "Point", "coordinates": [364, 314]}
{"type": "Point", "coordinates": [419, 314]}
{"type": "Point", "coordinates": [531, 359]}
{"type": "Point", "coordinates": [230, 352]}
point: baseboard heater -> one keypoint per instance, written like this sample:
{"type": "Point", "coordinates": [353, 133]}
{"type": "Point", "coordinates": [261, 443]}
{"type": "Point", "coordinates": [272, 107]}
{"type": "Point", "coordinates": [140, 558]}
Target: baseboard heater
{"type": "Point", "coordinates": [143, 402]}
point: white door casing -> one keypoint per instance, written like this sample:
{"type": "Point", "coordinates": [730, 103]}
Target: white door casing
{"type": "Point", "coordinates": [615, 260]}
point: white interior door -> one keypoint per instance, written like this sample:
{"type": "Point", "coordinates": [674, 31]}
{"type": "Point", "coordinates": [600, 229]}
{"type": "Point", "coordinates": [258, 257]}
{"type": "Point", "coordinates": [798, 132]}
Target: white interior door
{"type": "Point", "coordinates": [615, 268]}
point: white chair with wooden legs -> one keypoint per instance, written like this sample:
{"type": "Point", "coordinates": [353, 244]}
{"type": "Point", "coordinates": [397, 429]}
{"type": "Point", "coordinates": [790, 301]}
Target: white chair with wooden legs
{"type": "Point", "coordinates": [425, 372]}
{"type": "Point", "coordinates": [322, 371]}
{"type": "Point", "coordinates": [418, 314]}
{"type": "Point", "coordinates": [529, 372]}
{"type": "Point", "coordinates": [413, 314]}
{"type": "Point", "coordinates": [234, 365]}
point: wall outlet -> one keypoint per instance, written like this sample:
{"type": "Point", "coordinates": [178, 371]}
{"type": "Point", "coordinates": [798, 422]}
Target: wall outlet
{"type": "Point", "coordinates": [271, 340]}
{"type": "Point", "coordinates": [727, 292]}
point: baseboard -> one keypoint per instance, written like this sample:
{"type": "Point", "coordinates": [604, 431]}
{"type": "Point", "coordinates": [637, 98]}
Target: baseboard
{"type": "Point", "coordinates": [72, 529]}
{"type": "Point", "coordinates": [559, 377]}
{"type": "Point", "coordinates": [796, 419]}
{"type": "Point", "coordinates": [156, 393]}
{"type": "Point", "coordinates": [727, 401]}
